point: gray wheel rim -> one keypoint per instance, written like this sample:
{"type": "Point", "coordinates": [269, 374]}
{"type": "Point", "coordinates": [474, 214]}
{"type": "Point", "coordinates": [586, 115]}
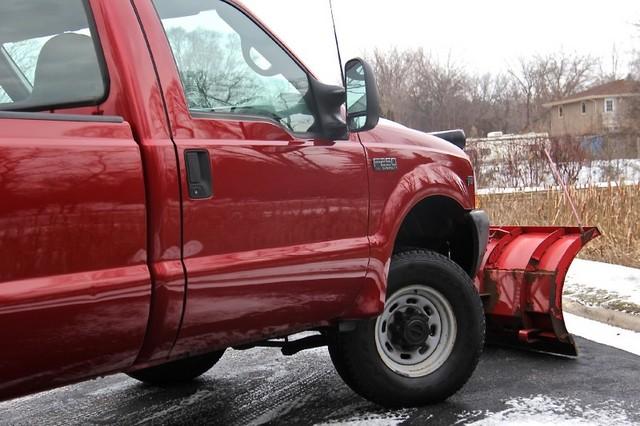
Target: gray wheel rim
{"type": "Point", "coordinates": [416, 332]}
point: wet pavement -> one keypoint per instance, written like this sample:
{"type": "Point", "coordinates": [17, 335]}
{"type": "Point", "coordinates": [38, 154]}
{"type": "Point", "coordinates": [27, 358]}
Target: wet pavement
{"type": "Point", "coordinates": [261, 386]}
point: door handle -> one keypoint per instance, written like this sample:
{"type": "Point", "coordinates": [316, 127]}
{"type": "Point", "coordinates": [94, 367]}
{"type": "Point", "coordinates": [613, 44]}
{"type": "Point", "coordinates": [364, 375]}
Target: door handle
{"type": "Point", "coordinates": [198, 174]}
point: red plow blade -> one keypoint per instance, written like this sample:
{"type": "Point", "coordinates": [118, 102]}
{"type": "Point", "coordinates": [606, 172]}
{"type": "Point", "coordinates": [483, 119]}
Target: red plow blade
{"type": "Point", "coordinates": [521, 282]}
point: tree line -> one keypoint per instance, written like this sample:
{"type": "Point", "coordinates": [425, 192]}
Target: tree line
{"type": "Point", "coordinates": [429, 94]}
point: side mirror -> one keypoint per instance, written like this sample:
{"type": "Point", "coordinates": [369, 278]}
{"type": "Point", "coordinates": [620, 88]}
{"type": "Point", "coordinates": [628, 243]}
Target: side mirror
{"type": "Point", "coordinates": [363, 100]}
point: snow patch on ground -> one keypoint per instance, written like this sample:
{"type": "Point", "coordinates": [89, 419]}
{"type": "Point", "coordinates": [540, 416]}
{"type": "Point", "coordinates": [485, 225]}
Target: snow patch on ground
{"type": "Point", "coordinates": [390, 418]}
{"type": "Point", "coordinates": [604, 285]}
{"type": "Point", "coordinates": [603, 333]}
{"type": "Point", "coordinates": [116, 387]}
{"type": "Point", "coordinates": [545, 410]}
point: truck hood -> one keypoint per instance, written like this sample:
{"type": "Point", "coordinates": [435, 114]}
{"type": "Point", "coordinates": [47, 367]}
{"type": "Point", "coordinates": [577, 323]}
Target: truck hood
{"type": "Point", "coordinates": [390, 131]}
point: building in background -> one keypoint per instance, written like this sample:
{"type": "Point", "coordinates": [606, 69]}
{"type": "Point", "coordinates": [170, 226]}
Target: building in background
{"type": "Point", "coordinates": [600, 117]}
{"type": "Point", "coordinates": [600, 109]}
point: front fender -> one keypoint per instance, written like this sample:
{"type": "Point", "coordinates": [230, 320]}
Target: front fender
{"type": "Point", "coordinates": [422, 182]}
{"type": "Point", "coordinates": [425, 181]}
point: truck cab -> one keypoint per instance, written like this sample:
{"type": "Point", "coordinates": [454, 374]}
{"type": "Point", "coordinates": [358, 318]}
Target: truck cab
{"type": "Point", "coordinates": [175, 182]}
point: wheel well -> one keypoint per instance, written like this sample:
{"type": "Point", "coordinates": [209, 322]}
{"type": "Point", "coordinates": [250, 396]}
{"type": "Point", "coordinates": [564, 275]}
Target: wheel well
{"type": "Point", "coordinates": [439, 224]}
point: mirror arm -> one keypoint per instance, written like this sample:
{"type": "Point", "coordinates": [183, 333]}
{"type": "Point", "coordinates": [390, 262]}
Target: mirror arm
{"type": "Point", "coordinates": [328, 101]}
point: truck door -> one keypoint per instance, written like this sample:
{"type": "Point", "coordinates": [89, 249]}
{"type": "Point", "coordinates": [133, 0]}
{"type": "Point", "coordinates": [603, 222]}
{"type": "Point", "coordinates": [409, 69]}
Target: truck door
{"type": "Point", "coordinates": [275, 222]}
{"type": "Point", "coordinates": [74, 284]}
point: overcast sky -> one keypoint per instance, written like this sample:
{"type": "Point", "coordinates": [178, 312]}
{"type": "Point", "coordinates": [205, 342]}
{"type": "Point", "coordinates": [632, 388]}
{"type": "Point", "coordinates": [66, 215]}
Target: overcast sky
{"type": "Point", "coordinates": [482, 36]}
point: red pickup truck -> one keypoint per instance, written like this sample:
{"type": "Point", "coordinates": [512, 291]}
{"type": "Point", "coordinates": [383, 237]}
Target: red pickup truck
{"type": "Point", "coordinates": [175, 182]}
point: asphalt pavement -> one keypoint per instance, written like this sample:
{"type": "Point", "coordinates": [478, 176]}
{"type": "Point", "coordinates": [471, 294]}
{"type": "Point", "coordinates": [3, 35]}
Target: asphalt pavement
{"type": "Point", "coordinates": [260, 386]}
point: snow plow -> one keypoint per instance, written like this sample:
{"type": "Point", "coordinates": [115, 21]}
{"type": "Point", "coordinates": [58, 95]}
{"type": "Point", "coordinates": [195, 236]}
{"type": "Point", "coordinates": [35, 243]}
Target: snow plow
{"type": "Point", "coordinates": [521, 281]}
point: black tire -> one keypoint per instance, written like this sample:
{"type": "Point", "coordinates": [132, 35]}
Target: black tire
{"type": "Point", "coordinates": [175, 372]}
{"type": "Point", "coordinates": [358, 358]}
{"type": "Point", "coordinates": [337, 358]}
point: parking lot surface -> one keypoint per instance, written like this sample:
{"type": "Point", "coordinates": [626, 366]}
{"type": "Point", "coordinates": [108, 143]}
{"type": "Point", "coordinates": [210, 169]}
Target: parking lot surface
{"type": "Point", "coordinates": [261, 386]}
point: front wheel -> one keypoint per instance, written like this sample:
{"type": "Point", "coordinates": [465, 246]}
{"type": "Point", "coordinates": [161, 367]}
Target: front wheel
{"type": "Point", "coordinates": [427, 342]}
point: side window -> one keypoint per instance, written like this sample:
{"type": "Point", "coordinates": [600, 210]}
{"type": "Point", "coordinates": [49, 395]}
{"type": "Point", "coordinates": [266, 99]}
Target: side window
{"type": "Point", "coordinates": [228, 65]}
{"type": "Point", "coordinates": [608, 105]}
{"type": "Point", "coordinates": [23, 54]}
{"type": "Point", "coordinates": [48, 58]}
{"type": "Point", "coordinates": [4, 98]}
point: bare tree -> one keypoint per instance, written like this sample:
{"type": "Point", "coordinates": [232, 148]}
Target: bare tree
{"type": "Point", "coordinates": [634, 71]}
{"type": "Point", "coordinates": [610, 70]}
{"type": "Point", "coordinates": [424, 93]}
{"type": "Point", "coordinates": [493, 105]}
{"type": "Point", "coordinates": [396, 72]}
{"type": "Point", "coordinates": [567, 74]}
{"type": "Point", "coordinates": [419, 91]}
{"type": "Point", "coordinates": [544, 78]}
{"type": "Point", "coordinates": [528, 77]}
{"type": "Point", "coordinates": [218, 78]}
{"type": "Point", "coordinates": [631, 115]}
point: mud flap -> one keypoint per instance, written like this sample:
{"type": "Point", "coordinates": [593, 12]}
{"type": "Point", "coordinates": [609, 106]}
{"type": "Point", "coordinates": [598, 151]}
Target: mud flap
{"type": "Point", "coordinates": [521, 281]}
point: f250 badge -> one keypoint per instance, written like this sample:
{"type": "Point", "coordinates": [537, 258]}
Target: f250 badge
{"type": "Point", "coordinates": [389, 164]}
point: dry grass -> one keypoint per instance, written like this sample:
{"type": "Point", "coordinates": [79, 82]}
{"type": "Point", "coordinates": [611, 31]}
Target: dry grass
{"type": "Point", "coordinates": [615, 210]}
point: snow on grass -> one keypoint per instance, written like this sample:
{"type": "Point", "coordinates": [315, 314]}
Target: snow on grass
{"type": "Point", "coordinates": [604, 285]}
{"type": "Point", "coordinates": [546, 410]}
{"type": "Point", "coordinates": [605, 334]}
{"type": "Point", "coordinates": [554, 187]}
{"type": "Point", "coordinates": [601, 171]}
{"type": "Point", "coordinates": [499, 179]}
